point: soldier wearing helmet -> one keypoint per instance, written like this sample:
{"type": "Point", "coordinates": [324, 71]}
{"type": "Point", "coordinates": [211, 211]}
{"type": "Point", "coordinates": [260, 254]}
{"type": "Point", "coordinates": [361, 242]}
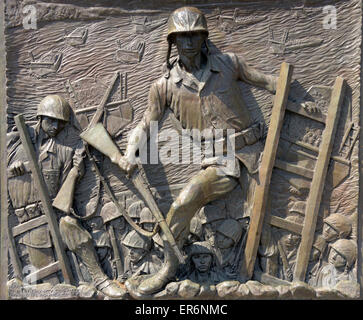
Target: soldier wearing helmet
{"type": "Point", "coordinates": [202, 264]}
{"type": "Point", "coordinates": [139, 261]}
{"type": "Point", "coordinates": [342, 257]}
{"type": "Point", "coordinates": [55, 161]}
{"type": "Point", "coordinates": [228, 236]}
{"type": "Point", "coordinates": [202, 91]}
{"type": "Point", "coordinates": [336, 226]}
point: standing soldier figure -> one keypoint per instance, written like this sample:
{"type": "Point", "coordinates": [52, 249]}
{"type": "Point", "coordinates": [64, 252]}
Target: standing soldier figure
{"type": "Point", "coordinates": [55, 162]}
{"type": "Point", "coordinates": [202, 91]}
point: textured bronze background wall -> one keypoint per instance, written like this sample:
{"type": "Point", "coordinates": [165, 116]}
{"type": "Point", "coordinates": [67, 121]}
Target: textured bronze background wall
{"type": "Point", "coordinates": [111, 26]}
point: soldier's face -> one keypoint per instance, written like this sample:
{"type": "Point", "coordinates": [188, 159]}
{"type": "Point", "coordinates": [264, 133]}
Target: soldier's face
{"type": "Point", "coordinates": [329, 233]}
{"type": "Point", "coordinates": [51, 126]}
{"type": "Point", "coordinates": [336, 259]}
{"type": "Point", "coordinates": [136, 254]}
{"type": "Point", "coordinates": [189, 44]}
{"type": "Point", "coordinates": [224, 242]}
{"type": "Point", "coordinates": [202, 261]}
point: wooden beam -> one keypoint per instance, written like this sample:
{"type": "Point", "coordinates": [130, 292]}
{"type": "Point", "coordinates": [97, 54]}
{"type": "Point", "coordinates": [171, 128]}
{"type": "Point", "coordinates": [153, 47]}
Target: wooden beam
{"type": "Point", "coordinates": [265, 172]}
{"type": "Point", "coordinates": [317, 184]}
{"type": "Point", "coordinates": [44, 197]}
{"type": "Point", "coordinates": [42, 273]}
{"type": "Point", "coordinates": [293, 168]}
{"type": "Point", "coordinates": [285, 224]}
{"type": "Point", "coordinates": [298, 109]}
{"type": "Point", "coordinates": [31, 224]}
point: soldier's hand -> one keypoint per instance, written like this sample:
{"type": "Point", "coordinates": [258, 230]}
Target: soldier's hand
{"type": "Point", "coordinates": [17, 168]}
{"type": "Point", "coordinates": [127, 165]}
{"type": "Point", "coordinates": [310, 107]}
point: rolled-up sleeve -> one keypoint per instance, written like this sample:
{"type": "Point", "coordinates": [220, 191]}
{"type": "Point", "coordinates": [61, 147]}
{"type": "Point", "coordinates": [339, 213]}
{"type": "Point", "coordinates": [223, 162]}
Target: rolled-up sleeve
{"type": "Point", "coordinates": [252, 76]}
{"type": "Point", "coordinates": [157, 103]}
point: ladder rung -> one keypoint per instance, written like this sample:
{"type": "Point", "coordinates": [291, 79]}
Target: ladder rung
{"type": "Point", "coordinates": [301, 171]}
{"type": "Point", "coordinates": [44, 272]}
{"type": "Point", "coordinates": [31, 224]}
{"type": "Point", "coordinates": [284, 224]}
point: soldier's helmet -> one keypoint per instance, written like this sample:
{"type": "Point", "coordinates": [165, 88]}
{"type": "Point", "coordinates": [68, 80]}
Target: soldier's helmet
{"type": "Point", "coordinates": [146, 216]}
{"type": "Point", "coordinates": [347, 249]}
{"type": "Point", "coordinates": [136, 240]}
{"type": "Point", "coordinates": [54, 106]}
{"type": "Point", "coordinates": [231, 228]}
{"type": "Point", "coordinates": [319, 243]}
{"type": "Point", "coordinates": [200, 247]}
{"type": "Point", "coordinates": [187, 19]}
{"type": "Point", "coordinates": [340, 223]}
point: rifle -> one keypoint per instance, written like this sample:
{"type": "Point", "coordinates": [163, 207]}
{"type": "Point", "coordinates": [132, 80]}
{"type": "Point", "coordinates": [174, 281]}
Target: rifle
{"type": "Point", "coordinates": [64, 199]}
{"type": "Point", "coordinates": [99, 138]}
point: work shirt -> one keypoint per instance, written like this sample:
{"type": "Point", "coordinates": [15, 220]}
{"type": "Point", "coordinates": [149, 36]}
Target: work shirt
{"type": "Point", "coordinates": [214, 101]}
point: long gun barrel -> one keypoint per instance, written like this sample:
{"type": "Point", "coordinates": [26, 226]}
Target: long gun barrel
{"type": "Point", "coordinates": [99, 138]}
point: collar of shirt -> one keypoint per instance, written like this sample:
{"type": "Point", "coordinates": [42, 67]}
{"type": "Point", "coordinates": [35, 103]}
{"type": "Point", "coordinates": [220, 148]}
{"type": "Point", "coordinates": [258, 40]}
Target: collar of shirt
{"type": "Point", "coordinates": [44, 148]}
{"type": "Point", "coordinates": [188, 79]}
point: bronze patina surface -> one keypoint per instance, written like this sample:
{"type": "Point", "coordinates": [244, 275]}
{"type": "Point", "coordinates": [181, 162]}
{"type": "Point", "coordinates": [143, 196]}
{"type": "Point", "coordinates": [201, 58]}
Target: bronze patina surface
{"type": "Point", "coordinates": [158, 150]}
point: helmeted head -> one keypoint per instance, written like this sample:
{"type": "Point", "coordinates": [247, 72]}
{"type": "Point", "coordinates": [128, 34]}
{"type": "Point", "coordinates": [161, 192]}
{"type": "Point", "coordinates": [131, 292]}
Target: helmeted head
{"type": "Point", "coordinates": [201, 255]}
{"type": "Point", "coordinates": [336, 226]}
{"type": "Point", "coordinates": [53, 112]}
{"type": "Point", "coordinates": [147, 220]}
{"type": "Point", "coordinates": [186, 21]}
{"type": "Point", "coordinates": [344, 248]}
{"type": "Point", "coordinates": [137, 244]}
{"type": "Point", "coordinates": [228, 233]}
{"type": "Point", "coordinates": [54, 106]}
{"type": "Point", "coordinates": [288, 238]}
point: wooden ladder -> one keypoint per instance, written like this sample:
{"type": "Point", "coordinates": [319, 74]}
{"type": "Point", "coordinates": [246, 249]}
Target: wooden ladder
{"type": "Point", "coordinates": [317, 176]}
{"type": "Point", "coordinates": [62, 264]}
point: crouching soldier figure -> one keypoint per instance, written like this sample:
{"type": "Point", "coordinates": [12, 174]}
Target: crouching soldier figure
{"type": "Point", "coordinates": [202, 91]}
{"type": "Point", "coordinates": [55, 161]}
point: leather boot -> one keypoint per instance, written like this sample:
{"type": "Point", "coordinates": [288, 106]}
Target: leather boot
{"type": "Point", "coordinates": [164, 275]}
{"type": "Point", "coordinates": [88, 255]}
{"type": "Point", "coordinates": [79, 241]}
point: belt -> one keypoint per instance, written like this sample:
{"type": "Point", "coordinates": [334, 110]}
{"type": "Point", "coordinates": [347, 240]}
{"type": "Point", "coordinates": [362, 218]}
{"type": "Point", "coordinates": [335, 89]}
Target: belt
{"type": "Point", "coordinates": [28, 212]}
{"type": "Point", "coordinates": [242, 138]}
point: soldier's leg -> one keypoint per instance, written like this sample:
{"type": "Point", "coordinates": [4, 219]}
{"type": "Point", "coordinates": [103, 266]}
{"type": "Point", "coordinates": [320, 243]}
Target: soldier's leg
{"type": "Point", "coordinates": [80, 242]}
{"type": "Point", "coordinates": [205, 187]}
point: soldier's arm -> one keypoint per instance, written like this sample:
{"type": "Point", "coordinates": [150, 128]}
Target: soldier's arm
{"type": "Point", "coordinates": [154, 112]}
{"type": "Point", "coordinates": [253, 76]}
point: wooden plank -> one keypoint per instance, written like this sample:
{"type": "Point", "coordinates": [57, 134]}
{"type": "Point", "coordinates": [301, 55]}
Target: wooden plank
{"type": "Point", "coordinates": [31, 224]}
{"type": "Point", "coordinates": [301, 171]}
{"type": "Point", "coordinates": [44, 197]}
{"type": "Point", "coordinates": [284, 224]}
{"type": "Point", "coordinates": [265, 172]}
{"type": "Point", "coordinates": [44, 272]}
{"type": "Point", "coordinates": [298, 109]}
{"type": "Point", "coordinates": [317, 184]}
{"type": "Point", "coordinates": [14, 258]}
{"type": "Point", "coordinates": [314, 149]}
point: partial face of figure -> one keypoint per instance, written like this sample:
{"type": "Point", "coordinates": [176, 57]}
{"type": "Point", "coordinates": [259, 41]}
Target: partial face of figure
{"type": "Point", "coordinates": [329, 233]}
{"type": "Point", "coordinates": [202, 262]}
{"type": "Point", "coordinates": [148, 226]}
{"type": "Point", "coordinates": [189, 44]}
{"type": "Point", "coordinates": [136, 254]}
{"type": "Point", "coordinates": [52, 126]}
{"type": "Point", "coordinates": [314, 254]}
{"type": "Point", "coordinates": [290, 240]}
{"type": "Point", "coordinates": [336, 259]}
{"type": "Point", "coordinates": [224, 242]}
